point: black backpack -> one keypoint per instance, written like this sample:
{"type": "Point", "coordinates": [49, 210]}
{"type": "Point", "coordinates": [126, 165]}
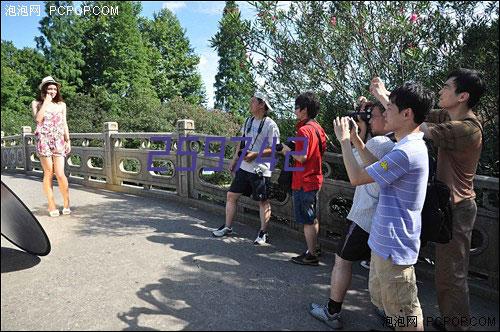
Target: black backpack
{"type": "Point", "coordinates": [437, 221]}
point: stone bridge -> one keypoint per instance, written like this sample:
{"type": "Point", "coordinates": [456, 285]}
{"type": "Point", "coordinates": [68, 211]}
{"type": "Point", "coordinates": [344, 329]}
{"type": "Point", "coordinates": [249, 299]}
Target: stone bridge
{"type": "Point", "coordinates": [147, 233]}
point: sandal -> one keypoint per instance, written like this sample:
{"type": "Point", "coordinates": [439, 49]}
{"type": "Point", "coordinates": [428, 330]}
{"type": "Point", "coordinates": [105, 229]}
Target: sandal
{"type": "Point", "coordinates": [66, 211]}
{"type": "Point", "coordinates": [54, 213]}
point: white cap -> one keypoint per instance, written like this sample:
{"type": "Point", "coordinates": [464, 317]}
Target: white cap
{"type": "Point", "coordinates": [263, 97]}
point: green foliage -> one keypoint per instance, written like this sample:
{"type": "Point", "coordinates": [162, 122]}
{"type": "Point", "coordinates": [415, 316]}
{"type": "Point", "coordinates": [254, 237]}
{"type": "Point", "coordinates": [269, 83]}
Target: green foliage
{"type": "Point", "coordinates": [234, 83]}
{"type": "Point", "coordinates": [480, 51]}
{"type": "Point", "coordinates": [217, 178]}
{"type": "Point", "coordinates": [335, 48]}
{"type": "Point", "coordinates": [85, 114]}
{"type": "Point", "coordinates": [172, 57]}
{"type": "Point", "coordinates": [18, 86]}
{"type": "Point", "coordinates": [62, 45]}
{"type": "Point", "coordinates": [115, 56]}
{"type": "Point", "coordinates": [214, 122]}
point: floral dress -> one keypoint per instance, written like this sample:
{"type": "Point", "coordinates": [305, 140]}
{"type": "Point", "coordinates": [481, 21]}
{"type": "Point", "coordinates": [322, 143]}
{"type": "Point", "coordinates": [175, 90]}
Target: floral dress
{"type": "Point", "coordinates": [49, 135]}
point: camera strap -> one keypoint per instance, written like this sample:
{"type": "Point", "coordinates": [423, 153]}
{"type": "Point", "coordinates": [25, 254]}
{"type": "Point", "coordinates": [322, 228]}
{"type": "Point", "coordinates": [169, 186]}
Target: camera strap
{"type": "Point", "coordinates": [247, 129]}
{"type": "Point", "coordinates": [317, 134]}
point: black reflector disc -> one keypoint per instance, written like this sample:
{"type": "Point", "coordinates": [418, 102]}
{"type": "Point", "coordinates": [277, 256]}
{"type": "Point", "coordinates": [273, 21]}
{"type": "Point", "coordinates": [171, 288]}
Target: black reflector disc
{"type": "Point", "coordinates": [20, 226]}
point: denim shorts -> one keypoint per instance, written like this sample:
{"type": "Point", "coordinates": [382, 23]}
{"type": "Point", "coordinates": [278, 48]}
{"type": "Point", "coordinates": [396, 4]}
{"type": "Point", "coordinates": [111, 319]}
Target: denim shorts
{"type": "Point", "coordinates": [304, 206]}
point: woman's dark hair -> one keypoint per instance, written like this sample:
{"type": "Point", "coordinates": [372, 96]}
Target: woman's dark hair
{"type": "Point", "coordinates": [58, 98]}
{"type": "Point", "coordinates": [310, 101]}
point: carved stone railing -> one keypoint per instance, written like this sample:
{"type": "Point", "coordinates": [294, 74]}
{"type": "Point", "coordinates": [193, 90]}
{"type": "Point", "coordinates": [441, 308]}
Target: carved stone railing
{"type": "Point", "coordinates": [102, 164]}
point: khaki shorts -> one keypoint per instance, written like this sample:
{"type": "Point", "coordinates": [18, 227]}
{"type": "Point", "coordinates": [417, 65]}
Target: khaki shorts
{"type": "Point", "coordinates": [394, 289]}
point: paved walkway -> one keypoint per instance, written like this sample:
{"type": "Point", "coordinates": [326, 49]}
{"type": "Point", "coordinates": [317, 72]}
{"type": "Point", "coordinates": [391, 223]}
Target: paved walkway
{"type": "Point", "coordinates": [125, 262]}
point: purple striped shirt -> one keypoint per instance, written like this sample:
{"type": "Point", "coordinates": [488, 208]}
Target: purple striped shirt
{"type": "Point", "coordinates": [402, 176]}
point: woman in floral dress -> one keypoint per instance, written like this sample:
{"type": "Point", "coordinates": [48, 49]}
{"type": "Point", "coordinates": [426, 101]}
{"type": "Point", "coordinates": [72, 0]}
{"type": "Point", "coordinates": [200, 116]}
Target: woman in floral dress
{"type": "Point", "coordinates": [52, 141]}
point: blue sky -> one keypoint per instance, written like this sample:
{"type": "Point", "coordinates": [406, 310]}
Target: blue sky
{"type": "Point", "coordinates": [199, 18]}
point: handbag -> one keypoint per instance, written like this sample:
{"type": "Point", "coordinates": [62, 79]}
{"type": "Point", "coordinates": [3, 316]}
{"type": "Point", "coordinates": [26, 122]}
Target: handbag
{"type": "Point", "coordinates": [437, 221]}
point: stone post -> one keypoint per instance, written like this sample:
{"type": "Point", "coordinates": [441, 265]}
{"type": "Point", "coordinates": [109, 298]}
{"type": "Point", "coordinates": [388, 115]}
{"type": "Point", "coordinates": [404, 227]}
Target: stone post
{"type": "Point", "coordinates": [25, 136]}
{"type": "Point", "coordinates": [109, 129]}
{"type": "Point", "coordinates": [185, 179]}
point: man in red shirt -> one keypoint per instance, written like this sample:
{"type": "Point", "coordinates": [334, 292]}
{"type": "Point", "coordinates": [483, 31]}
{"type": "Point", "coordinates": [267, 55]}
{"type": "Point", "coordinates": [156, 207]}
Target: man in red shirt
{"type": "Point", "coordinates": [306, 183]}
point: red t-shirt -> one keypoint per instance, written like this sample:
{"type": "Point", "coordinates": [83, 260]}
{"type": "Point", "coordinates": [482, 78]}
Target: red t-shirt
{"type": "Point", "coordinates": [311, 178]}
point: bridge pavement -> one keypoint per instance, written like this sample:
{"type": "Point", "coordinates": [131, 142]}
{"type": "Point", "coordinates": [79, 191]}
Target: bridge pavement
{"type": "Point", "coordinates": [127, 262]}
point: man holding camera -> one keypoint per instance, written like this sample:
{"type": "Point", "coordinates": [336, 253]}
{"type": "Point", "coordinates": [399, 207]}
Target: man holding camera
{"type": "Point", "coordinates": [402, 176]}
{"type": "Point", "coordinates": [354, 245]}
{"type": "Point", "coordinates": [252, 178]}
{"type": "Point", "coordinates": [307, 183]}
{"type": "Point", "coordinates": [457, 133]}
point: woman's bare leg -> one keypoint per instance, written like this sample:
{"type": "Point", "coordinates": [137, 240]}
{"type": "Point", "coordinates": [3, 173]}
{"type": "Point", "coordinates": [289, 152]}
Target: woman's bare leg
{"type": "Point", "coordinates": [48, 175]}
{"type": "Point", "coordinates": [62, 180]}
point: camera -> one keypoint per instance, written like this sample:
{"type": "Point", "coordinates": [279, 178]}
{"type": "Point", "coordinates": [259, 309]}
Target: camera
{"type": "Point", "coordinates": [291, 145]}
{"type": "Point", "coordinates": [259, 171]}
{"type": "Point", "coordinates": [362, 115]}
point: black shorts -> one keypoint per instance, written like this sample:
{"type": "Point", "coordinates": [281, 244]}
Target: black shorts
{"type": "Point", "coordinates": [354, 244]}
{"type": "Point", "coordinates": [251, 184]}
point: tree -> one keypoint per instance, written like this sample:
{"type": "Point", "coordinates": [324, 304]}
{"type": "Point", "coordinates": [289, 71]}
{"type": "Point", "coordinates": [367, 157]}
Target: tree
{"type": "Point", "coordinates": [62, 45]}
{"type": "Point", "coordinates": [21, 73]}
{"type": "Point", "coordinates": [335, 48]}
{"type": "Point", "coordinates": [174, 64]}
{"type": "Point", "coordinates": [480, 51]}
{"type": "Point", "coordinates": [234, 83]}
{"type": "Point", "coordinates": [115, 56]}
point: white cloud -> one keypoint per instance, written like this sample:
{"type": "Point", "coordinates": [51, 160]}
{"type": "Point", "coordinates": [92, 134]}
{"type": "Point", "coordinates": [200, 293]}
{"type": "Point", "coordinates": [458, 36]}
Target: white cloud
{"type": "Point", "coordinates": [210, 7]}
{"type": "Point", "coordinates": [208, 66]}
{"type": "Point", "coordinates": [174, 5]}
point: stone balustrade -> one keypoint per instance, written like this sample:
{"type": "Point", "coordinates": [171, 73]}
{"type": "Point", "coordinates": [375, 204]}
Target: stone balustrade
{"type": "Point", "coordinates": [100, 160]}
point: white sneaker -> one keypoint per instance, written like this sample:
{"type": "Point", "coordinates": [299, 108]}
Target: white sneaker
{"type": "Point", "coordinates": [262, 238]}
{"type": "Point", "coordinates": [320, 312]}
{"type": "Point", "coordinates": [221, 231]}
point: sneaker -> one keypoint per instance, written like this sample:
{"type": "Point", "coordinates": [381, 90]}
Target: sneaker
{"type": "Point", "coordinates": [317, 251]}
{"type": "Point", "coordinates": [306, 259]}
{"type": "Point", "coordinates": [262, 238]}
{"type": "Point", "coordinates": [365, 264]}
{"type": "Point", "coordinates": [320, 312]}
{"type": "Point", "coordinates": [221, 231]}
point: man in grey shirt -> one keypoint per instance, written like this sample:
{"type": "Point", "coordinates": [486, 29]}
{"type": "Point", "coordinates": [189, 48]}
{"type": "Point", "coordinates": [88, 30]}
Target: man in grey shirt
{"type": "Point", "coordinates": [253, 178]}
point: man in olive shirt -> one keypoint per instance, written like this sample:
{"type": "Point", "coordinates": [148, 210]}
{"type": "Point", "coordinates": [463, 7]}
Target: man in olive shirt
{"type": "Point", "coordinates": [457, 133]}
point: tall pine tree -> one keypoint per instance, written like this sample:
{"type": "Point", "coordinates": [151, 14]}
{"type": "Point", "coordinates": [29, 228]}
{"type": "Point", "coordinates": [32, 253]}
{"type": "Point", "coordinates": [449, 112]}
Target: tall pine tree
{"type": "Point", "coordinates": [62, 45]}
{"type": "Point", "coordinates": [116, 59]}
{"type": "Point", "coordinates": [174, 64]}
{"type": "Point", "coordinates": [234, 83]}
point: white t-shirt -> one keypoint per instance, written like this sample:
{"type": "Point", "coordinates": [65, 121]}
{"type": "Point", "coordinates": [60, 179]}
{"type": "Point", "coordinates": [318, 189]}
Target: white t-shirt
{"type": "Point", "coordinates": [364, 203]}
{"type": "Point", "coordinates": [269, 130]}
